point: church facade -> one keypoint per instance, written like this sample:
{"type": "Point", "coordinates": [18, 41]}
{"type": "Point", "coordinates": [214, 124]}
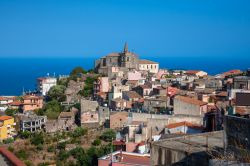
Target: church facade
{"type": "Point", "coordinates": [125, 61]}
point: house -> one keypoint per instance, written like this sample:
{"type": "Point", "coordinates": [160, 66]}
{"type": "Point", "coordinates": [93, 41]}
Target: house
{"type": "Point", "coordinates": [101, 85]}
{"type": "Point", "coordinates": [156, 105]}
{"type": "Point", "coordinates": [31, 122]}
{"type": "Point", "coordinates": [45, 83]}
{"type": "Point", "coordinates": [89, 115]}
{"type": "Point", "coordinates": [120, 104]}
{"type": "Point", "coordinates": [120, 158]}
{"type": "Point", "coordinates": [7, 127]}
{"type": "Point", "coordinates": [135, 127]}
{"type": "Point", "coordinates": [196, 73]}
{"type": "Point", "coordinates": [64, 122]}
{"type": "Point", "coordinates": [150, 66]}
{"type": "Point", "coordinates": [131, 96]}
{"type": "Point", "coordinates": [118, 120]}
{"type": "Point", "coordinates": [183, 127]}
{"type": "Point", "coordinates": [32, 102]}
{"type": "Point", "coordinates": [231, 73]}
{"type": "Point", "coordinates": [189, 106]}
{"type": "Point", "coordinates": [16, 105]}
{"type": "Point", "coordinates": [90, 119]}
{"type": "Point", "coordinates": [186, 150]}
{"type": "Point", "coordinates": [4, 101]}
{"type": "Point", "coordinates": [88, 105]}
{"type": "Point", "coordinates": [241, 82]}
{"type": "Point", "coordinates": [159, 90]}
{"type": "Point", "coordinates": [134, 75]}
{"type": "Point", "coordinates": [242, 104]}
{"type": "Point", "coordinates": [117, 90]}
{"type": "Point", "coordinates": [144, 90]}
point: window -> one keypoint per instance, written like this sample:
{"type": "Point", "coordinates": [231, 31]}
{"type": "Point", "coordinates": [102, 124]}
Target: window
{"type": "Point", "coordinates": [127, 58]}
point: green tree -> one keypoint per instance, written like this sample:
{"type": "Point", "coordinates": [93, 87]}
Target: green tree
{"type": "Point", "coordinates": [63, 81]}
{"type": "Point", "coordinates": [88, 87]}
{"type": "Point", "coordinates": [11, 112]}
{"type": "Point", "coordinates": [77, 71]}
{"type": "Point", "coordinates": [57, 93]}
{"type": "Point", "coordinates": [108, 135]}
{"type": "Point", "coordinates": [79, 131]}
{"type": "Point", "coordinates": [53, 109]}
{"type": "Point", "coordinates": [37, 139]}
{"type": "Point", "coordinates": [40, 112]}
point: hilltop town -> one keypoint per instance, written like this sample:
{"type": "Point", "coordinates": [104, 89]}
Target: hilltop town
{"type": "Point", "coordinates": [129, 111]}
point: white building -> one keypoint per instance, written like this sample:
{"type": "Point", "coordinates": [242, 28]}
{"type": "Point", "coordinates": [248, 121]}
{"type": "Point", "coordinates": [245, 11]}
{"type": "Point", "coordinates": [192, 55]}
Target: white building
{"type": "Point", "coordinates": [4, 101]}
{"type": "Point", "coordinates": [45, 83]}
{"type": "Point", "coordinates": [150, 66]}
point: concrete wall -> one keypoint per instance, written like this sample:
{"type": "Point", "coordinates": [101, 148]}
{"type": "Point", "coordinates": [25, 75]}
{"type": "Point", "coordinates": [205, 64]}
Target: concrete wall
{"type": "Point", "coordinates": [143, 117]}
{"type": "Point", "coordinates": [184, 108]}
{"type": "Point", "coordinates": [167, 157]}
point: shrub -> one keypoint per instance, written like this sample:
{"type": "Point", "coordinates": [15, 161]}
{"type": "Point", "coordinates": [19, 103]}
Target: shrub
{"type": "Point", "coordinates": [51, 148]}
{"type": "Point", "coordinates": [79, 131]}
{"type": "Point", "coordinates": [10, 148]}
{"type": "Point", "coordinates": [39, 147]}
{"type": "Point", "coordinates": [96, 142]}
{"type": "Point", "coordinates": [8, 140]}
{"type": "Point", "coordinates": [108, 135]}
{"type": "Point", "coordinates": [37, 139]}
{"type": "Point", "coordinates": [22, 154]}
{"type": "Point", "coordinates": [25, 134]}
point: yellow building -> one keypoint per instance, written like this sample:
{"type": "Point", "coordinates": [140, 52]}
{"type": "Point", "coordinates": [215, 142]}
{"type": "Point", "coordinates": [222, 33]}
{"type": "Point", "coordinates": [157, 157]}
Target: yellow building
{"type": "Point", "coordinates": [7, 129]}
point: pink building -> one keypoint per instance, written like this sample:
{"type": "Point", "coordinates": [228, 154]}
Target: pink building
{"type": "Point", "coordinates": [101, 87]}
{"type": "Point", "coordinates": [32, 102]}
{"type": "Point", "coordinates": [161, 73]}
{"type": "Point", "coordinates": [134, 75]}
{"type": "Point", "coordinates": [120, 158]}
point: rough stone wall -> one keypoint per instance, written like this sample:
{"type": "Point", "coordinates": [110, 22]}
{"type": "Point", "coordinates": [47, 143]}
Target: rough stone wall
{"type": "Point", "coordinates": [237, 134]}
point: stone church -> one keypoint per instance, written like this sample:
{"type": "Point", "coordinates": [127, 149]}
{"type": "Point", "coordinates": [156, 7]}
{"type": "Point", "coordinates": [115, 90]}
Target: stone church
{"type": "Point", "coordinates": [125, 60]}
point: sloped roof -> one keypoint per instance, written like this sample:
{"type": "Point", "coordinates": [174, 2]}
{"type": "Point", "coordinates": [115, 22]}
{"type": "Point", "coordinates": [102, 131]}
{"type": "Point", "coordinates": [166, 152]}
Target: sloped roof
{"type": "Point", "coordinates": [190, 100]}
{"type": "Point", "coordinates": [2, 118]}
{"type": "Point", "coordinates": [132, 94]}
{"type": "Point", "coordinates": [144, 61]}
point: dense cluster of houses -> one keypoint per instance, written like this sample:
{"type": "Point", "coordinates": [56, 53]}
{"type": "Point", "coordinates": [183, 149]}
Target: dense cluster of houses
{"type": "Point", "coordinates": [140, 101]}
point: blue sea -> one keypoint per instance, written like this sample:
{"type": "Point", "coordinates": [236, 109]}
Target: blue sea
{"type": "Point", "coordinates": [19, 73]}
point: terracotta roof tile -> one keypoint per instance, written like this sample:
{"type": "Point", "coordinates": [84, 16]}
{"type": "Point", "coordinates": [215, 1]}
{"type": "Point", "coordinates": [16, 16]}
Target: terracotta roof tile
{"type": "Point", "coordinates": [144, 61]}
{"type": "Point", "coordinates": [11, 157]}
{"type": "Point", "coordinates": [190, 100]}
{"type": "Point", "coordinates": [2, 118]}
{"type": "Point", "coordinates": [184, 123]}
{"type": "Point", "coordinates": [132, 94]}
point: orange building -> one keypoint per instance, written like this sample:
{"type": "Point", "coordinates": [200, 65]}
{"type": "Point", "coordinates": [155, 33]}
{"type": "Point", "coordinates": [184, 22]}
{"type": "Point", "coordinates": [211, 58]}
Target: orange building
{"type": "Point", "coordinates": [31, 102]}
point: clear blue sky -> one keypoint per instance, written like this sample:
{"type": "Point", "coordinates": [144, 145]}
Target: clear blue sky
{"type": "Point", "coordinates": [37, 28]}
